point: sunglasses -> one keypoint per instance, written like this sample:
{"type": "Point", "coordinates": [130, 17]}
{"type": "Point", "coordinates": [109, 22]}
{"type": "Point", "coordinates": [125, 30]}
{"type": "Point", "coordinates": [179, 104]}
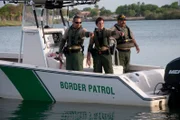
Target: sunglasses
{"type": "Point", "coordinates": [78, 22]}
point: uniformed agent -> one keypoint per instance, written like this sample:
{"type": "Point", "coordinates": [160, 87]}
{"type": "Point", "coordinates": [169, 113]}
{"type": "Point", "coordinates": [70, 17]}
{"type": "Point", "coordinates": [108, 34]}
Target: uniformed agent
{"type": "Point", "coordinates": [73, 50]}
{"type": "Point", "coordinates": [101, 50]}
{"type": "Point", "coordinates": [124, 42]}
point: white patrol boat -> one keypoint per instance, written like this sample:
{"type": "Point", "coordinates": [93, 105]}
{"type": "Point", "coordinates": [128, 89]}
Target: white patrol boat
{"type": "Point", "coordinates": [37, 77]}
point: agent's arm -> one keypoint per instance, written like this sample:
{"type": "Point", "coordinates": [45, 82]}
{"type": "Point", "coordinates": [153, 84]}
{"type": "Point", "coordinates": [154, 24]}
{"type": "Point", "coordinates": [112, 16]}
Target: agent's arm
{"type": "Point", "coordinates": [62, 42]}
{"type": "Point", "coordinates": [135, 43]}
{"type": "Point", "coordinates": [114, 33]}
{"type": "Point", "coordinates": [90, 47]}
{"type": "Point", "coordinates": [86, 33]}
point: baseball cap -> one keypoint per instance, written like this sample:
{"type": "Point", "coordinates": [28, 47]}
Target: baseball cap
{"type": "Point", "coordinates": [121, 17]}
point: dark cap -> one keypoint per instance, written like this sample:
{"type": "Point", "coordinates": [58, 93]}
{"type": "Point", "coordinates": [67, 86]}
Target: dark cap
{"type": "Point", "coordinates": [121, 17]}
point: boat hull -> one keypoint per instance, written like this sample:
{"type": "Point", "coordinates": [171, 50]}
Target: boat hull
{"type": "Point", "coordinates": [28, 82]}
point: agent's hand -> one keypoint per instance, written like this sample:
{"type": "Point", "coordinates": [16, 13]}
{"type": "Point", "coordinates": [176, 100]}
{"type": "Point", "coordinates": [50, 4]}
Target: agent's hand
{"type": "Point", "coordinates": [137, 49]}
{"type": "Point", "coordinates": [60, 58]}
{"type": "Point", "coordinates": [121, 33]}
{"type": "Point", "coordinates": [136, 45]}
{"type": "Point", "coordinates": [60, 55]}
{"type": "Point", "coordinates": [88, 60]}
{"type": "Point", "coordinates": [91, 35]}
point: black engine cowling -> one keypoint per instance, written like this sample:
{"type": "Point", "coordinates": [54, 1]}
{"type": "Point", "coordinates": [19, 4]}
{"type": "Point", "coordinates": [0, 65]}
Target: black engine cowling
{"type": "Point", "coordinates": [172, 82]}
{"type": "Point", "coordinates": [172, 74]}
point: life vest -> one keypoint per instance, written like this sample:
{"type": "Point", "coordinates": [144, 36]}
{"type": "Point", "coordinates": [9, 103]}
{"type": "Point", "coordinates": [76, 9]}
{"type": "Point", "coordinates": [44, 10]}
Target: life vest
{"type": "Point", "coordinates": [126, 40]}
{"type": "Point", "coordinates": [100, 40]}
{"type": "Point", "coordinates": [74, 38]}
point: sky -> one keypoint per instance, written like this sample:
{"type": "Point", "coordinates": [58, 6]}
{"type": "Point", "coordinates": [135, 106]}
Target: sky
{"type": "Point", "coordinates": [113, 4]}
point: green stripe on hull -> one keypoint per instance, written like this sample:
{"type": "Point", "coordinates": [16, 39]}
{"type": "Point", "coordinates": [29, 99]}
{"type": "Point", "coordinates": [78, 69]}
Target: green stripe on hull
{"type": "Point", "coordinates": [26, 82]}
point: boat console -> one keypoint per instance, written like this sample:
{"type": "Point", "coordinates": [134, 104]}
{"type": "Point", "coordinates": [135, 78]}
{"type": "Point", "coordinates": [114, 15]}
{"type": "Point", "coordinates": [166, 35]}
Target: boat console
{"type": "Point", "coordinates": [53, 36]}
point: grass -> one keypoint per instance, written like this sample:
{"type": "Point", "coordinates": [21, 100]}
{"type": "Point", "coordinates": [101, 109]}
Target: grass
{"type": "Point", "coordinates": [10, 23]}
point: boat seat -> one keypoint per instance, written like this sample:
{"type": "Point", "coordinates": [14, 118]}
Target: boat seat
{"type": "Point", "coordinates": [118, 69]}
{"type": "Point", "coordinates": [147, 80]}
{"type": "Point", "coordinates": [52, 63]}
{"type": "Point", "coordinates": [88, 69]}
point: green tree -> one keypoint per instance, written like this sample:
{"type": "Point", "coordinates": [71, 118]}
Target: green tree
{"type": "Point", "coordinates": [151, 7]}
{"type": "Point", "coordinates": [11, 12]}
{"type": "Point", "coordinates": [102, 9]}
{"type": "Point", "coordinates": [96, 6]}
{"type": "Point", "coordinates": [87, 9]}
{"type": "Point", "coordinates": [74, 12]}
{"type": "Point", "coordinates": [139, 9]}
{"type": "Point", "coordinates": [159, 10]}
{"type": "Point", "coordinates": [143, 8]}
{"type": "Point", "coordinates": [19, 9]}
{"type": "Point", "coordinates": [131, 13]}
{"type": "Point", "coordinates": [133, 7]}
{"type": "Point", "coordinates": [64, 12]}
{"type": "Point", "coordinates": [119, 10]}
{"type": "Point", "coordinates": [94, 12]}
{"type": "Point", "coordinates": [122, 10]}
{"type": "Point", "coordinates": [147, 13]}
{"type": "Point", "coordinates": [165, 6]}
{"type": "Point", "coordinates": [125, 10]}
{"type": "Point", "coordinates": [174, 5]}
{"type": "Point", "coordinates": [105, 13]}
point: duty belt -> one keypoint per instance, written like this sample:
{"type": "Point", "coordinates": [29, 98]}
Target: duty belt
{"type": "Point", "coordinates": [104, 48]}
{"type": "Point", "coordinates": [124, 50]}
{"type": "Point", "coordinates": [125, 45]}
{"type": "Point", "coordinates": [74, 47]}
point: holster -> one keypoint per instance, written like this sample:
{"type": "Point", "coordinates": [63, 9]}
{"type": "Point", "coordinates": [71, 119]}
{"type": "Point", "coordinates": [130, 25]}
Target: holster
{"type": "Point", "coordinates": [93, 51]}
{"type": "Point", "coordinates": [66, 50]}
{"type": "Point", "coordinates": [112, 49]}
{"type": "Point", "coordinates": [106, 52]}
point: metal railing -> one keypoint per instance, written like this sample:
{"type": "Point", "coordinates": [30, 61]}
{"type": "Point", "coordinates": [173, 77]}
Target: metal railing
{"type": "Point", "coordinates": [115, 51]}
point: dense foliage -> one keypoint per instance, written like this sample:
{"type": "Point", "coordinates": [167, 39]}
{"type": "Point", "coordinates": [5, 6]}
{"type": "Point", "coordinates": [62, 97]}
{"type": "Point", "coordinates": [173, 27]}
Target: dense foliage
{"type": "Point", "coordinates": [11, 12]}
{"type": "Point", "coordinates": [150, 11]}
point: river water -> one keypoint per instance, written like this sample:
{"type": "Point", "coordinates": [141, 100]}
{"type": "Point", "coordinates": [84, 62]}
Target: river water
{"type": "Point", "coordinates": [159, 41]}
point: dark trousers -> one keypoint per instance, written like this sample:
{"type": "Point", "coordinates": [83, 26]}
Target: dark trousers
{"type": "Point", "coordinates": [74, 61]}
{"type": "Point", "coordinates": [102, 61]}
{"type": "Point", "coordinates": [124, 59]}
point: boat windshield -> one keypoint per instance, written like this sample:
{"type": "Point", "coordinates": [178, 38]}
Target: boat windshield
{"type": "Point", "coordinates": [45, 17]}
{"type": "Point", "coordinates": [29, 19]}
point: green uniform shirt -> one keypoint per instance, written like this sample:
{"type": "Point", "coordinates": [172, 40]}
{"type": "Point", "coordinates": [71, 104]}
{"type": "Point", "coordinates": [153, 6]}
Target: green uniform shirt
{"type": "Point", "coordinates": [125, 30]}
{"type": "Point", "coordinates": [83, 33]}
{"type": "Point", "coordinates": [108, 33]}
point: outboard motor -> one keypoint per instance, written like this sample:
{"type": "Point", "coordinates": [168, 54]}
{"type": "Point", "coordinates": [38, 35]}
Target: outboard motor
{"type": "Point", "coordinates": [172, 83]}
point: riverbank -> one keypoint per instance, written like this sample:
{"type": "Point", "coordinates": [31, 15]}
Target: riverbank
{"type": "Point", "coordinates": [127, 18]}
{"type": "Point", "coordinates": [10, 23]}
